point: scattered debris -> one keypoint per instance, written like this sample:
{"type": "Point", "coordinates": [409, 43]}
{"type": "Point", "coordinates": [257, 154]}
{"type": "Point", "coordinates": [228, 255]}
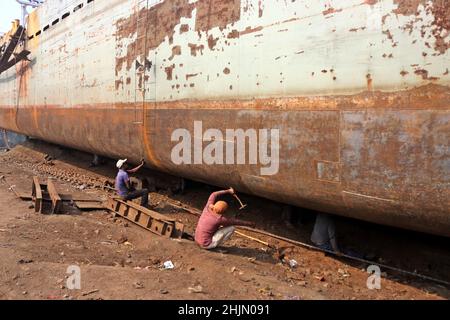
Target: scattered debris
{"type": "Point", "coordinates": [320, 278]}
{"type": "Point", "coordinates": [168, 265]}
{"type": "Point", "coordinates": [266, 291]}
{"type": "Point", "coordinates": [122, 239]}
{"type": "Point", "coordinates": [252, 260]}
{"type": "Point", "coordinates": [138, 285]}
{"type": "Point", "coordinates": [25, 261]}
{"type": "Point", "coordinates": [343, 273]}
{"type": "Point", "coordinates": [302, 283]}
{"type": "Point", "coordinates": [293, 263]}
{"type": "Point", "coordinates": [244, 279]}
{"type": "Point", "coordinates": [90, 292]}
{"type": "Point", "coordinates": [196, 289]}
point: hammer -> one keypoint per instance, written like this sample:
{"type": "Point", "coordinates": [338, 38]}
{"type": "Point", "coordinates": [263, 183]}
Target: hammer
{"type": "Point", "coordinates": [240, 202]}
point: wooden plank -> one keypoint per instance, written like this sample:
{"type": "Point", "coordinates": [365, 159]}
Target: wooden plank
{"type": "Point", "coordinates": [54, 196]}
{"type": "Point", "coordinates": [93, 205]}
{"type": "Point", "coordinates": [24, 195]}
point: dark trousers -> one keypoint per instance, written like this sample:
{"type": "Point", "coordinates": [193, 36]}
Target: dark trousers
{"type": "Point", "coordinates": [136, 194]}
{"type": "Point", "coordinates": [326, 246]}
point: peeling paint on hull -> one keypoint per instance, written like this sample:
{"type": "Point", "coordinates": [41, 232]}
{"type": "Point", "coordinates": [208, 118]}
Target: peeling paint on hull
{"type": "Point", "coordinates": [360, 91]}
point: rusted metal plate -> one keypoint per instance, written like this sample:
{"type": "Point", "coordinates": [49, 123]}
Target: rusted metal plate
{"type": "Point", "coordinates": [359, 90]}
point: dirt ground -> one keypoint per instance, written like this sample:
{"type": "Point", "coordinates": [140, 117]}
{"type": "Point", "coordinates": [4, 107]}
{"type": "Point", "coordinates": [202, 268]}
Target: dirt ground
{"type": "Point", "coordinates": [120, 260]}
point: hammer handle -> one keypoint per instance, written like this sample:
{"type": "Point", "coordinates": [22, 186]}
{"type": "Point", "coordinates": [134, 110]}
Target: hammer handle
{"type": "Point", "coordinates": [240, 202]}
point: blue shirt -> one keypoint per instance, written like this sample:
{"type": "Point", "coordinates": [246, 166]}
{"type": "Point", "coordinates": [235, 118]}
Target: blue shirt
{"type": "Point", "coordinates": [121, 179]}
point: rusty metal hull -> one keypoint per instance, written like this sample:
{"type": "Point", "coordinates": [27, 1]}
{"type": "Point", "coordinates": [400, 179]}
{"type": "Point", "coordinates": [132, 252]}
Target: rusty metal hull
{"type": "Point", "coordinates": [360, 91]}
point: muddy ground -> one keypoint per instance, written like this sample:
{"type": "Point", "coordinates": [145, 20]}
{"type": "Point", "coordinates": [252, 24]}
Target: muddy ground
{"type": "Point", "coordinates": [120, 260]}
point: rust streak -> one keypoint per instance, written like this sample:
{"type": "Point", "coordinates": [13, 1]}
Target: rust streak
{"type": "Point", "coordinates": [176, 51]}
{"type": "Point", "coordinates": [196, 48]}
{"type": "Point", "coordinates": [164, 17]}
{"type": "Point", "coordinates": [250, 30]}
{"type": "Point", "coordinates": [330, 11]}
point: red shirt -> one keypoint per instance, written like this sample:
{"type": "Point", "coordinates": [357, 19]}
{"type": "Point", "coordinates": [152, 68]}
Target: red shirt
{"type": "Point", "coordinates": [210, 222]}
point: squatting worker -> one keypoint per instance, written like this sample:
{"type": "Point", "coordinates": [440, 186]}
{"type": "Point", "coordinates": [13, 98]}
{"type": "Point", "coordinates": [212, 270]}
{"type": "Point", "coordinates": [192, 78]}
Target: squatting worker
{"type": "Point", "coordinates": [213, 228]}
{"type": "Point", "coordinates": [123, 186]}
{"type": "Point", "coordinates": [324, 233]}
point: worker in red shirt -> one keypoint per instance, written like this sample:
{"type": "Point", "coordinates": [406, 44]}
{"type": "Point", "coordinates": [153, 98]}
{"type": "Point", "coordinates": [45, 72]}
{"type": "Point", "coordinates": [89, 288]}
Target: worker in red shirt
{"type": "Point", "coordinates": [213, 228]}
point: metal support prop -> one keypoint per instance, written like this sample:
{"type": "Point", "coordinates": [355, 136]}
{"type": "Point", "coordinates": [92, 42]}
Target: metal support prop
{"type": "Point", "coordinates": [44, 191]}
{"type": "Point", "coordinates": [36, 195]}
{"type": "Point", "coordinates": [54, 196]}
{"type": "Point", "coordinates": [146, 218]}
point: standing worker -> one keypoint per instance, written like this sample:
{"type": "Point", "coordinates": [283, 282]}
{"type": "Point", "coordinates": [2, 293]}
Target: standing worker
{"type": "Point", "coordinates": [213, 228]}
{"type": "Point", "coordinates": [123, 186]}
{"type": "Point", "coordinates": [324, 233]}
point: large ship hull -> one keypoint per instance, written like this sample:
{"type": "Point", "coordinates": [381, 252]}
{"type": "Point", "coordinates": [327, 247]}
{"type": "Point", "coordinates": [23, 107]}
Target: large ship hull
{"type": "Point", "coordinates": [359, 91]}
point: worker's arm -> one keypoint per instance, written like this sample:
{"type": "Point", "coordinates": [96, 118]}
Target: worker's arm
{"type": "Point", "coordinates": [134, 170]}
{"type": "Point", "coordinates": [214, 195]}
{"type": "Point", "coordinates": [225, 222]}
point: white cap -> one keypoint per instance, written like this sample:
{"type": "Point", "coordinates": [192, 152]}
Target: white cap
{"type": "Point", "coordinates": [120, 163]}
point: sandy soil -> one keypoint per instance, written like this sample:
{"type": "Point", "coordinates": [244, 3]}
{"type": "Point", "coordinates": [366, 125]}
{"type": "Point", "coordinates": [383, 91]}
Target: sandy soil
{"type": "Point", "coordinates": [120, 260]}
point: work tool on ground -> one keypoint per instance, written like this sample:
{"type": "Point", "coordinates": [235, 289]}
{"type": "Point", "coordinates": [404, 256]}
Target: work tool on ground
{"type": "Point", "coordinates": [240, 202]}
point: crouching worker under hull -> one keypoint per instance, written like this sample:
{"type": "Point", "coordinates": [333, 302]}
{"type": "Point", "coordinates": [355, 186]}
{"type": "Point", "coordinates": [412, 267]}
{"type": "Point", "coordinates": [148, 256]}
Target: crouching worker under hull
{"type": "Point", "coordinates": [123, 186]}
{"type": "Point", "coordinates": [213, 228]}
